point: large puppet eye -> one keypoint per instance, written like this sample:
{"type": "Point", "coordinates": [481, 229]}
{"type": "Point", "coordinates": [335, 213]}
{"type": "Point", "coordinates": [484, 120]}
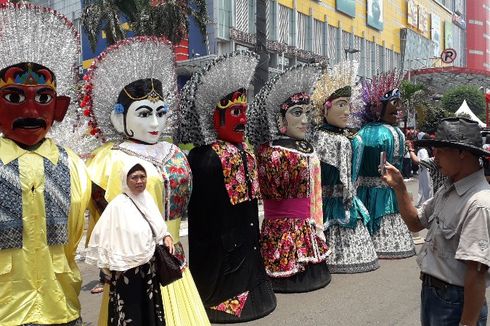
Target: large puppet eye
{"type": "Point", "coordinates": [162, 110]}
{"type": "Point", "coordinates": [14, 97]}
{"type": "Point", "coordinates": [144, 113]}
{"type": "Point", "coordinates": [236, 111]}
{"type": "Point", "coordinates": [43, 98]}
{"type": "Point", "coordinates": [299, 111]}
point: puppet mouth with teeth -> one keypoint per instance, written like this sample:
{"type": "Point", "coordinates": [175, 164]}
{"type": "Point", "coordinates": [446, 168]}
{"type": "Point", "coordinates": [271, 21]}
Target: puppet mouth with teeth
{"type": "Point", "coordinates": [240, 128]}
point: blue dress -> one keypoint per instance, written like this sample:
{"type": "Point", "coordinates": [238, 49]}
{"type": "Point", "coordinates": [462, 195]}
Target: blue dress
{"type": "Point", "coordinates": [390, 235]}
{"type": "Point", "coordinates": [344, 215]}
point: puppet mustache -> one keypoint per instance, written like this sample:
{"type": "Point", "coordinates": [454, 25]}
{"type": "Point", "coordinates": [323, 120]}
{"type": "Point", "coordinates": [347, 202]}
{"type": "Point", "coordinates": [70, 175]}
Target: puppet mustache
{"type": "Point", "coordinates": [29, 123]}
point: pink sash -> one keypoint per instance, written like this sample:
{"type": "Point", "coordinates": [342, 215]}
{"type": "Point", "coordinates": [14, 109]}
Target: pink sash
{"type": "Point", "coordinates": [294, 208]}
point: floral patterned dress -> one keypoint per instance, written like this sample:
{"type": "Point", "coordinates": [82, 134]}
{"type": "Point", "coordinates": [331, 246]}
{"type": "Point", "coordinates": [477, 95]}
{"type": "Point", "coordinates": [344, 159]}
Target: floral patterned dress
{"type": "Point", "coordinates": [344, 215]}
{"type": "Point", "coordinates": [291, 239]}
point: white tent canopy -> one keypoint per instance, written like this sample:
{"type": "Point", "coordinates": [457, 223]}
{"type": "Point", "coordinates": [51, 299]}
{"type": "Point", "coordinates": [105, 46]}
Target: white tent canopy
{"type": "Point", "coordinates": [465, 109]}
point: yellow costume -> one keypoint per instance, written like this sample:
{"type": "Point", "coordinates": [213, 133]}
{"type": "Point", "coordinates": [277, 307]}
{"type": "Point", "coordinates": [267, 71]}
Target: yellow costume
{"type": "Point", "coordinates": [182, 303]}
{"type": "Point", "coordinates": [41, 283]}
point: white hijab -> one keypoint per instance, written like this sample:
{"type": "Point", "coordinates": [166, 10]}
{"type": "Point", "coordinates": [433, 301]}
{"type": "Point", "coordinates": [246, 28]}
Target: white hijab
{"type": "Point", "coordinates": [122, 239]}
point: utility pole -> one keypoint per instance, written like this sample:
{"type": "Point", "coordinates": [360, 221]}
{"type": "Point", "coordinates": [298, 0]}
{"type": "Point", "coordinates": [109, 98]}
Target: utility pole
{"type": "Point", "coordinates": [262, 71]}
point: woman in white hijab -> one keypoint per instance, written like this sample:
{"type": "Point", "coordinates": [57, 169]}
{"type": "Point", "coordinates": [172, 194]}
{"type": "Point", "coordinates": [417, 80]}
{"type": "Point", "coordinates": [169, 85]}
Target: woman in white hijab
{"type": "Point", "coordinates": [123, 243]}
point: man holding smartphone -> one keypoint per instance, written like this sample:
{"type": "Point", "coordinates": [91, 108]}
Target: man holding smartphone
{"type": "Point", "coordinates": [455, 257]}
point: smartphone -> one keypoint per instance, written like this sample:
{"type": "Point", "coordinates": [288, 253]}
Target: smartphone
{"type": "Point", "coordinates": [382, 162]}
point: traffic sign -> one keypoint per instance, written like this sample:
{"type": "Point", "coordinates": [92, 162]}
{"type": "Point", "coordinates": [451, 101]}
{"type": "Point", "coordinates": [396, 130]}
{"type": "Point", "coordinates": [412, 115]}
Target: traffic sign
{"type": "Point", "coordinates": [448, 55]}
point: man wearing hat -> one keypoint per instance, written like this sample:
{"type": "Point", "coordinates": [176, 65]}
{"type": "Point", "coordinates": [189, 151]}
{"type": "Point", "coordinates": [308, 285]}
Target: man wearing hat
{"type": "Point", "coordinates": [455, 257]}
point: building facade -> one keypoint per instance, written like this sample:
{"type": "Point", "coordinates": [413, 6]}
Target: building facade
{"type": "Point", "coordinates": [478, 34]}
{"type": "Point", "coordinates": [381, 35]}
{"type": "Point", "coordinates": [72, 9]}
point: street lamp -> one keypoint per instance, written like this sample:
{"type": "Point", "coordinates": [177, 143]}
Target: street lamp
{"type": "Point", "coordinates": [351, 51]}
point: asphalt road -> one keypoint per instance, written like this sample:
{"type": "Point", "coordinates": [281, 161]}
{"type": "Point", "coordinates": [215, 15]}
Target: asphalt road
{"type": "Point", "coordinates": [388, 296]}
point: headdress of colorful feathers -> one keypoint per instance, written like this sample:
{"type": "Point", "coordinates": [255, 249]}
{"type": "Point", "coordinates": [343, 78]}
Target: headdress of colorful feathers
{"type": "Point", "coordinates": [338, 77]}
{"type": "Point", "coordinates": [129, 60]}
{"type": "Point", "coordinates": [294, 84]}
{"type": "Point", "coordinates": [205, 89]}
{"type": "Point", "coordinates": [31, 33]}
{"type": "Point", "coordinates": [379, 89]}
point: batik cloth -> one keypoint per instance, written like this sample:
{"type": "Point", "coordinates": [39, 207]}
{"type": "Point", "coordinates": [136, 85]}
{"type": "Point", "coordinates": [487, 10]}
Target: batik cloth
{"type": "Point", "coordinates": [240, 179]}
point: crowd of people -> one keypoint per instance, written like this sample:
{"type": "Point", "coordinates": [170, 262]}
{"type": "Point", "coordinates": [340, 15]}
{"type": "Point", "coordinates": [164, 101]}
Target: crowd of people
{"type": "Point", "coordinates": [334, 200]}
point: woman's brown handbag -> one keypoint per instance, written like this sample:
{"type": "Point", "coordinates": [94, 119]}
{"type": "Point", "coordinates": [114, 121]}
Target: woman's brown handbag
{"type": "Point", "coordinates": [168, 267]}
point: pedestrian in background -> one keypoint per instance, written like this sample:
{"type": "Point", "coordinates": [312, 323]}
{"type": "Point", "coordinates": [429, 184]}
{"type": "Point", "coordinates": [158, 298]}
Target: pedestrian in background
{"type": "Point", "coordinates": [455, 258]}
{"type": "Point", "coordinates": [486, 161]}
{"type": "Point", "coordinates": [425, 182]}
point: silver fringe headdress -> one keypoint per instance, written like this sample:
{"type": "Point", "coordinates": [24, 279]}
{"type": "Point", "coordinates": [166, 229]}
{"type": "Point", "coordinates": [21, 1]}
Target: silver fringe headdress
{"type": "Point", "coordinates": [129, 60]}
{"type": "Point", "coordinates": [29, 33]}
{"type": "Point", "coordinates": [205, 89]}
{"type": "Point", "coordinates": [339, 76]}
{"type": "Point", "coordinates": [263, 115]}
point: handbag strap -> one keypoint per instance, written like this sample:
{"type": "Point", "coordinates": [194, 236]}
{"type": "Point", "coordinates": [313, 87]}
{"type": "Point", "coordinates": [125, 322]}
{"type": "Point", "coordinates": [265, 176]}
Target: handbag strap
{"type": "Point", "coordinates": [144, 216]}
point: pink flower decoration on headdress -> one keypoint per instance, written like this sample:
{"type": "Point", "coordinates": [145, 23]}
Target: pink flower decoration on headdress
{"type": "Point", "coordinates": [373, 91]}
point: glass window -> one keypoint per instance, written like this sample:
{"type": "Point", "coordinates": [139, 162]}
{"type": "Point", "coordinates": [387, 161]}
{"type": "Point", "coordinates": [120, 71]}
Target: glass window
{"type": "Point", "coordinates": [357, 45]}
{"type": "Point", "coordinates": [252, 16]}
{"type": "Point", "coordinates": [345, 44]}
{"type": "Point", "coordinates": [380, 58]}
{"type": "Point", "coordinates": [292, 28]}
{"type": "Point", "coordinates": [318, 36]}
{"type": "Point", "coordinates": [389, 55]}
{"type": "Point", "coordinates": [332, 43]}
{"type": "Point", "coordinates": [241, 15]}
{"type": "Point", "coordinates": [224, 18]}
{"type": "Point", "coordinates": [271, 21]}
{"type": "Point", "coordinates": [369, 56]}
{"type": "Point", "coordinates": [284, 20]}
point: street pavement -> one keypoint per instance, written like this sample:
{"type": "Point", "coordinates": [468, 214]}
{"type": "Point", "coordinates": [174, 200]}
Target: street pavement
{"type": "Point", "coordinates": [388, 296]}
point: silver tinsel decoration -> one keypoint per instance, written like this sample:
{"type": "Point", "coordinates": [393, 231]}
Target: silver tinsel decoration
{"type": "Point", "coordinates": [30, 33]}
{"type": "Point", "coordinates": [262, 117]}
{"type": "Point", "coordinates": [205, 89]}
{"type": "Point", "coordinates": [121, 64]}
{"type": "Point", "coordinates": [73, 132]}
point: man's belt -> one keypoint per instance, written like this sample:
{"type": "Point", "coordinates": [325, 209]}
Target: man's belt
{"type": "Point", "coordinates": [431, 281]}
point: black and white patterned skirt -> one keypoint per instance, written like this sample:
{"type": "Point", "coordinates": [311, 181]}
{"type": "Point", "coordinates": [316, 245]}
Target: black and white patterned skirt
{"type": "Point", "coordinates": [352, 250]}
{"type": "Point", "coordinates": [135, 297]}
